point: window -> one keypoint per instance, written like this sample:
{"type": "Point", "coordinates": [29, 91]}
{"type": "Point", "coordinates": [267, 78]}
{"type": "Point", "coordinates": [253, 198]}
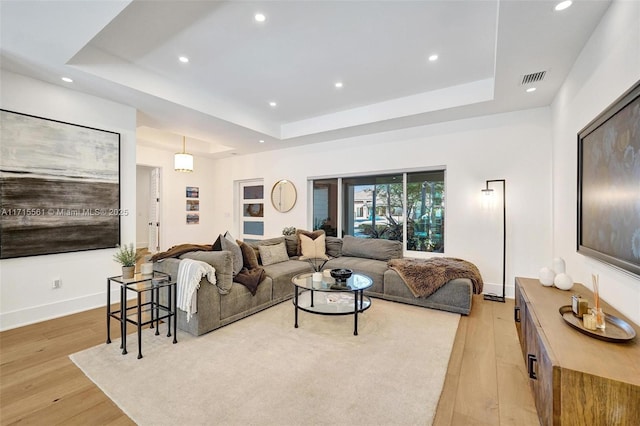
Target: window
{"type": "Point", "coordinates": [372, 207]}
{"type": "Point", "coordinates": [425, 210]}
{"type": "Point", "coordinates": [407, 207]}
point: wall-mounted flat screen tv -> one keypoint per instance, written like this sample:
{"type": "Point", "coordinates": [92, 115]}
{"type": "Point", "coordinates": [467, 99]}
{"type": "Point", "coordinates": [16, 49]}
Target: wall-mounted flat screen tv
{"type": "Point", "coordinates": [609, 185]}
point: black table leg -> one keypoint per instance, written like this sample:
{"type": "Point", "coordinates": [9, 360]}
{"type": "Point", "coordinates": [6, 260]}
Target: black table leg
{"type": "Point", "coordinates": [295, 303]}
{"type": "Point", "coordinates": [155, 300]}
{"type": "Point", "coordinates": [154, 314]}
{"type": "Point", "coordinates": [123, 318]}
{"type": "Point", "coordinates": [175, 312]}
{"type": "Point", "coordinates": [108, 311]}
{"type": "Point", "coordinates": [139, 325]}
{"type": "Point", "coordinates": [355, 313]}
{"type": "Point", "coordinates": [169, 305]}
{"type": "Point", "coordinates": [312, 298]}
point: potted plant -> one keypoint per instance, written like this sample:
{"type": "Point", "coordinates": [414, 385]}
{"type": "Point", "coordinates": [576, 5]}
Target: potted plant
{"type": "Point", "coordinates": [127, 257]}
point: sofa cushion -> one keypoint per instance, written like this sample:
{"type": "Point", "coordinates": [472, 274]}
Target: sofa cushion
{"type": "Point", "coordinates": [313, 249]}
{"type": "Point", "coordinates": [222, 261]}
{"type": "Point", "coordinates": [334, 246]}
{"type": "Point", "coordinates": [281, 274]}
{"type": "Point", "coordinates": [227, 242]}
{"type": "Point", "coordinates": [371, 248]}
{"type": "Point", "coordinates": [455, 296]}
{"type": "Point", "coordinates": [273, 254]}
{"type": "Point", "coordinates": [374, 269]}
{"type": "Point", "coordinates": [313, 235]}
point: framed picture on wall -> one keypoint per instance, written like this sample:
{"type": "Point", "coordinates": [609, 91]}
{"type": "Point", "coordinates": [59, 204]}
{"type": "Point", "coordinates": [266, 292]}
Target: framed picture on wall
{"type": "Point", "coordinates": [59, 187]}
{"type": "Point", "coordinates": [193, 218]}
{"type": "Point", "coordinates": [193, 205]}
{"type": "Point", "coordinates": [609, 185]}
{"type": "Point", "coordinates": [193, 192]}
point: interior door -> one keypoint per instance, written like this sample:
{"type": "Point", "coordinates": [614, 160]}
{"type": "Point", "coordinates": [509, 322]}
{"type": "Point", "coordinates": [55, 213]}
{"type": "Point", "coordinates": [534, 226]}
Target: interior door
{"type": "Point", "coordinates": [154, 211]}
{"type": "Point", "coordinates": [251, 210]}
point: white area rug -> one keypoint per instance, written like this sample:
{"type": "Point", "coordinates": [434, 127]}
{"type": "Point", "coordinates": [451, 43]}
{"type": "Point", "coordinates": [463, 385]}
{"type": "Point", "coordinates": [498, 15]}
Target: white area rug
{"type": "Point", "coordinates": [262, 371]}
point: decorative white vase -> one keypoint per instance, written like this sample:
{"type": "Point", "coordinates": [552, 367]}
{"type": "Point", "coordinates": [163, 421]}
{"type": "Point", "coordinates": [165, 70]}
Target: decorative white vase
{"type": "Point", "coordinates": [546, 276]}
{"type": "Point", "coordinates": [559, 267]}
{"type": "Point", "coordinates": [146, 268]}
{"type": "Point", "coordinates": [563, 281]}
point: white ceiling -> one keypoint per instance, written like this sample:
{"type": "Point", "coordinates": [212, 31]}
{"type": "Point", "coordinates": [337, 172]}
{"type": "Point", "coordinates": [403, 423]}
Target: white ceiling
{"type": "Point", "coordinates": [128, 51]}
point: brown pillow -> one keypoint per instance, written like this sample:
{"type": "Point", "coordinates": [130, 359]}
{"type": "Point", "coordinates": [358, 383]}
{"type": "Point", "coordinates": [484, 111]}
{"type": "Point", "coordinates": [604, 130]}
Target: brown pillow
{"type": "Point", "coordinates": [313, 235]}
{"type": "Point", "coordinates": [249, 259]}
{"type": "Point", "coordinates": [291, 241]}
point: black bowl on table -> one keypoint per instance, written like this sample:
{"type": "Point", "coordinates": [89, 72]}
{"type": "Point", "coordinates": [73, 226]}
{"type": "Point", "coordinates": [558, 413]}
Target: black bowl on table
{"type": "Point", "coordinates": [341, 274]}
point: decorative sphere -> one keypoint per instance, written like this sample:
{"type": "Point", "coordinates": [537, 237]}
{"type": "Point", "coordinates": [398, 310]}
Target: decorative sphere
{"type": "Point", "coordinates": [546, 276]}
{"type": "Point", "coordinates": [563, 281]}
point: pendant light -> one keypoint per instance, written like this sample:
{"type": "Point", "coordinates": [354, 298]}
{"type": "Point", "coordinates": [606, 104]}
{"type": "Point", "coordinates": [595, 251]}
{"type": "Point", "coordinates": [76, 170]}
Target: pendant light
{"type": "Point", "coordinates": [183, 161]}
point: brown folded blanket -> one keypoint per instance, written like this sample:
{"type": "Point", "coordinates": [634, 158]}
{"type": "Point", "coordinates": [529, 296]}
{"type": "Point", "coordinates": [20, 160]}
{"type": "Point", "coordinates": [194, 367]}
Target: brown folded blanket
{"type": "Point", "coordinates": [250, 278]}
{"type": "Point", "coordinates": [180, 249]}
{"type": "Point", "coordinates": [425, 276]}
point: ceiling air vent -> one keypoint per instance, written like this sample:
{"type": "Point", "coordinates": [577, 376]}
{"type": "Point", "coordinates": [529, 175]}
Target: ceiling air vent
{"type": "Point", "coordinates": [533, 77]}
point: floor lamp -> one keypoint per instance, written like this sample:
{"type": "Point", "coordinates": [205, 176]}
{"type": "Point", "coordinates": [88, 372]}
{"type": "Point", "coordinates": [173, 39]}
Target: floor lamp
{"type": "Point", "coordinates": [487, 193]}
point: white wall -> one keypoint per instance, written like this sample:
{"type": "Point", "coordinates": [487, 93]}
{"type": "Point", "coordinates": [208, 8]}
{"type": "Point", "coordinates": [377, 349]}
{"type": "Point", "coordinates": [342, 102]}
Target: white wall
{"type": "Point", "coordinates": [26, 293]}
{"type": "Point", "coordinates": [608, 66]}
{"type": "Point", "coordinates": [173, 201]}
{"type": "Point", "coordinates": [514, 146]}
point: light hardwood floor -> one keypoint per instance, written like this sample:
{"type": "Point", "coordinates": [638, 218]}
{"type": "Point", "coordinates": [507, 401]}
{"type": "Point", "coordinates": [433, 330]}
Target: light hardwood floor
{"type": "Point", "coordinates": [486, 383]}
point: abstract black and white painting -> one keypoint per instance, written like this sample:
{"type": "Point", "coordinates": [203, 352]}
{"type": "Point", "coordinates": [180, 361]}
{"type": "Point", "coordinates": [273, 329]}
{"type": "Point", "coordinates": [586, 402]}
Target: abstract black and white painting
{"type": "Point", "coordinates": [59, 187]}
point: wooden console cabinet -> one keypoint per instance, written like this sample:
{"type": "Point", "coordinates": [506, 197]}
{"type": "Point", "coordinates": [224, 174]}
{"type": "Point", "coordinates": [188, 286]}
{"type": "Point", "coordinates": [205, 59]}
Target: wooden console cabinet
{"type": "Point", "coordinates": [576, 379]}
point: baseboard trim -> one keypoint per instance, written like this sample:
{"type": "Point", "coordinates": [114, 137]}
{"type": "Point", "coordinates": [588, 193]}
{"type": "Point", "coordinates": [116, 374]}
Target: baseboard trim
{"type": "Point", "coordinates": [35, 314]}
{"type": "Point", "coordinates": [491, 288]}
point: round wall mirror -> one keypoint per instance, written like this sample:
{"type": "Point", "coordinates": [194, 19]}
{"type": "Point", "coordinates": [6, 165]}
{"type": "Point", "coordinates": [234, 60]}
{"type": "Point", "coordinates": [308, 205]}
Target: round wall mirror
{"type": "Point", "coordinates": [283, 195]}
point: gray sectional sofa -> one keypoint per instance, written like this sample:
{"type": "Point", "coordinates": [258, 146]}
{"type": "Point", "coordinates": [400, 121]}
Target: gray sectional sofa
{"type": "Point", "coordinates": [228, 301]}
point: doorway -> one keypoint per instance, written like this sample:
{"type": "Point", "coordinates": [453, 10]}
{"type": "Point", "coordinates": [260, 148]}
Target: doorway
{"type": "Point", "coordinates": [148, 208]}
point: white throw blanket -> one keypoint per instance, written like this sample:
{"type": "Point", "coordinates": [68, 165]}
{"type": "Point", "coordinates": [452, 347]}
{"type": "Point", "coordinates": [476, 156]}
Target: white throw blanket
{"type": "Point", "coordinates": [190, 272]}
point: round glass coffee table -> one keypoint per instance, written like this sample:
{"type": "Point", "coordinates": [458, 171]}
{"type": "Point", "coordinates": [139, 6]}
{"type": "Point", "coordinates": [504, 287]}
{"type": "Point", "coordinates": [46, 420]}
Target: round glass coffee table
{"type": "Point", "coordinates": [328, 297]}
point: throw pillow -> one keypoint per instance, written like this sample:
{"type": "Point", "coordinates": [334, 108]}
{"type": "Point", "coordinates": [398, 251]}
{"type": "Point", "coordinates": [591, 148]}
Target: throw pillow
{"type": "Point", "coordinates": [267, 242]}
{"type": "Point", "coordinates": [313, 235]}
{"type": "Point", "coordinates": [249, 259]}
{"type": "Point", "coordinates": [227, 242]}
{"type": "Point", "coordinates": [292, 245]}
{"type": "Point", "coordinates": [273, 254]}
{"type": "Point", "coordinates": [334, 246]}
{"type": "Point", "coordinates": [313, 249]}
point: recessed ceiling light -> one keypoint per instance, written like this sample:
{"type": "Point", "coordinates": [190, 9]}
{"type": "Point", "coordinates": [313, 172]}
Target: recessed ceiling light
{"type": "Point", "coordinates": [259, 17]}
{"type": "Point", "coordinates": [563, 5]}
{"type": "Point", "coordinates": [67, 80]}
{"type": "Point", "coordinates": [183, 59]}
{"type": "Point", "coordinates": [261, 141]}
{"type": "Point", "coordinates": [531, 89]}
{"type": "Point", "coordinates": [433, 57]}
{"type": "Point", "coordinates": [273, 104]}
{"type": "Point", "coordinates": [338, 85]}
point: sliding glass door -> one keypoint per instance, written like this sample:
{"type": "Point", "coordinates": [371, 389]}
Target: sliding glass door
{"type": "Point", "coordinates": [403, 206]}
